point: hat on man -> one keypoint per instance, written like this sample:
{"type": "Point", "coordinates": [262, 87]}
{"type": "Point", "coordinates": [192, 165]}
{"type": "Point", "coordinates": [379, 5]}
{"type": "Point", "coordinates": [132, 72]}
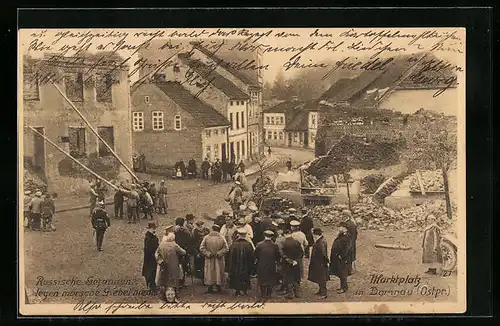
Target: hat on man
{"type": "Point", "coordinates": [317, 231]}
{"type": "Point", "coordinates": [241, 221]}
{"type": "Point", "coordinates": [215, 227]}
{"type": "Point", "coordinates": [169, 228]}
{"type": "Point", "coordinates": [268, 233]}
{"type": "Point", "coordinates": [151, 225]}
{"type": "Point", "coordinates": [38, 193]}
{"type": "Point", "coordinates": [292, 210]}
{"type": "Point", "coordinates": [280, 221]}
{"type": "Point", "coordinates": [179, 221]}
{"type": "Point", "coordinates": [162, 181]}
{"type": "Point", "coordinates": [294, 223]}
{"type": "Point", "coordinates": [241, 231]}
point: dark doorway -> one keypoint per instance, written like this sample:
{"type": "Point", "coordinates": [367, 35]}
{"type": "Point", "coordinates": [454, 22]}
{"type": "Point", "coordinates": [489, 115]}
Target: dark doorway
{"type": "Point", "coordinates": [223, 151]}
{"type": "Point", "coordinates": [306, 139]}
{"type": "Point", "coordinates": [77, 146]}
{"type": "Point", "coordinates": [231, 149]}
{"type": "Point", "coordinates": [39, 151]}
{"type": "Point", "coordinates": [107, 134]}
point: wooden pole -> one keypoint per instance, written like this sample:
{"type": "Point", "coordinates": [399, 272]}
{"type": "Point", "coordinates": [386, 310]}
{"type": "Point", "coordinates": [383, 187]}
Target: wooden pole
{"type": "Point", "coordinates": [74, 160]}
{"type": "Point", "coordinates": [346, 177]}
{"type": "Point", "coordinates": [94, 131]}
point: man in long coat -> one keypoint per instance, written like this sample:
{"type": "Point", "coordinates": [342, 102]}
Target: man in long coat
{"type": "Point", "coordinates": [185, 240]}
{"type": "Point", "coordinates": [167, 257]}
{"type": "Point", "coordinates": [339, 257]}
{"type": "Point", "coordinates": [318, 265]}
{"type": "Point", "coordinates": [306, 226]}
{"type": "Point", "coordinates": [205, 166]}
{"type": "Point", "coordinates": [149, 265]}
{"type": "Point", "coordinates": [267, 257]}
{"type": "Point", "coordinates": [352, 230]}
{"type": "Point", "coordinates": [301, 238]}
{"type": "Point", "coordinates": [431, 247]}
{"type": "Point", "coordinates": [257, 229]}
{"type": "Point", "coordinates": [214, 247]}
{"type": "Point", "coordinates": [240, 263]}
{"type": "Point", "coordinates": [199, 232]}
{"type": "Point", "coordinates": [292, 253]}
{"type": "Point", "coordinates": [162, 198]}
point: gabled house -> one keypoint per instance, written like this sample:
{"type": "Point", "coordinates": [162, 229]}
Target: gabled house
{"type": "Point", "coordinates": [170, 124]}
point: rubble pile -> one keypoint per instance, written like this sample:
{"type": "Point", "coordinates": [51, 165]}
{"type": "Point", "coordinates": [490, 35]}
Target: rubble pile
{"type": "Point", "coordinates": [370, 216]}
{"type": "Point", "coordinates": [278, 204]}
{"type": "Point", "coordinates": [32, 182]}
{"type": "Point", "coordinates": [431, 180]}
{"type": "Point", "coordinates": [310, 181]}
{"type": "Point", "coordinates": [262, 188]}
{"type": "Point", "coordinates": [287, 185]}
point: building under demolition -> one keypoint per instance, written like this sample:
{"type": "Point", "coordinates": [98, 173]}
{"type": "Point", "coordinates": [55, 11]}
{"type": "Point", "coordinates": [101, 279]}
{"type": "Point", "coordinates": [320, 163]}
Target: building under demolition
{"type": "Point", "coordinates": [98, 86]}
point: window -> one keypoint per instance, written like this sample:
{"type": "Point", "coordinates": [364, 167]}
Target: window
{"type": "Point", "coordinates": [216, 132]}
{"type": "Point", "coordinates": [242, 148]}
{"type": "Point", "coordinates": [242, 119]}
{"type": "Point", "coordinates": [282, 120]}
{"type": "Point", "coordinates": [107, 134]}
{"type": "Point", "coordinates": [208, 152]}
{"type": "Point", "coordinates": [177, 122]}
{"type": "Point", "coordinates": [76, 141]}
{"type": "Point", "coordinates": [207, 133]}
{"type": "Point", "coordinates": [281, 135]}
{"type": "Point", "coordinates": [254, 96]}
{"type": "Point", "coordinates": [275, 135]}
{"type": "Point", "coordinates": [295, 136]}
{"type": "Point", "coordinates": [268, 120]}
{"type": "Point", "coordinates": [313, 120]}
{"type": "Point", "coordinates": [269, 135]}
{"type": "Point", "coordinates": [103, 88]}
{"type": "Point", "coordinates": [237, 120]}
{"type": "Point", "coordinates": [157, 117]}
{"type": "Point", "coordinates": [237, 150]}
{"type": "Point", "coordinates": [231, 120]}
{"type": "Point", "coordinates": [147, 99]}
{"type": "Point", "coordinates": [138, 121]}
{"type": "Point", "coordinates": [231, 103]}
{"type": "Point", "coordinates": [74, 87]}
{"type": "Point", "coordinates": [272, 120]}
{"type": "Point", "coordinates": [223, 131]}
{"type": "Point", "coordinates": [216, 151]}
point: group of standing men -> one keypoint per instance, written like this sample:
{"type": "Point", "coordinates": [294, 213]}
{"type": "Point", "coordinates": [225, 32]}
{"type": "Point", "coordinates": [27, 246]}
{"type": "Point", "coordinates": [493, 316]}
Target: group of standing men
{"type": "Point", "coordinates": [39, 210]}
{"type": "Point", "coordinates": [235, 250]}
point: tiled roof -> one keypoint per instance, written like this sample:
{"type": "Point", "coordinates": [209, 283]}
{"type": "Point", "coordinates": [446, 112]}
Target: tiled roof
{"type": "Point", "coordinates": [218, 81]}
{"type": "Point", "coordinates": [346, 89]}
{"type": "Point", "coordinates": [299, 121]}
{"type": "Point", "coordinates": [244, 78]}
{"type": "Point", "coordinates": [282, 107]}
{"type": "Point", "coordinates": [204, 113]}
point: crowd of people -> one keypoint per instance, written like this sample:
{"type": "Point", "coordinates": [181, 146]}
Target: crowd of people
{"type": "Point", "coordinates": [39, 210]}
{"type": "Point", "coordinates": [270, 246]}
{"type": "Point", "coordinates": [217, 171]}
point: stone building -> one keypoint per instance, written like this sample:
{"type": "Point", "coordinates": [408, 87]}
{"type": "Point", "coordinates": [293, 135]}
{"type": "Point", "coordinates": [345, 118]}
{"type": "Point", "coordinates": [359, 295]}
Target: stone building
{"type": "Point", "coordinates": [170, 124]}
{"type": "Point", "coordinates": [98, 86]}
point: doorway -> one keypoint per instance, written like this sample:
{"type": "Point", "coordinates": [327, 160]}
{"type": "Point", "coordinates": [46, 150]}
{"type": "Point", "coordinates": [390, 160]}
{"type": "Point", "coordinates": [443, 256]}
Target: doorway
{"type": "Point", "coordinates": [306, 139]}
{"type": "Point", "coordinates": [39, 151]}
{"type": "Point", "coordinates": [223, 151]}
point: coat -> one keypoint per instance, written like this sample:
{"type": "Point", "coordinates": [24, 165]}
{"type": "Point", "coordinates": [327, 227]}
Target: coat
{"type": "Point", "coordinates": [291, 250]}
{"type": "Point", "coordinates": [339, 256]}
{"type": "Point", "coordinates": [240, 262]}
{"type": "Point", "coordinates": [306, 226]}
{"type": "Point", "coordinates": [167, 256]}
{"type": "Point", "coordinates": [149, 263]}
{"type": "Point", "coordinates": [268, 257]}
{"type": "Point", "coordinates": [214, 247]}
{"type": "Point", "coordinates": [431, 246]}
{"type": "Point", "coordinates": [257, 231]}
{"type": "Point", "coordinates": [352, 229]}
{"type": "Point", "coordinates": [318, 264]}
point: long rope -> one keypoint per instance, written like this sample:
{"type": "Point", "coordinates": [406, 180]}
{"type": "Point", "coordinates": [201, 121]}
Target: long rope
{"type": "Point", "coordinates": [72, 158]}
{"type": "Point", "coordinates": [94, 131]}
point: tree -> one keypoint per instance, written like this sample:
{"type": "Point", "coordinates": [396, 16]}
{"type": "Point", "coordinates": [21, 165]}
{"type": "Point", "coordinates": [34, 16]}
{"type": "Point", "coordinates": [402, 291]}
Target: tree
{"type": "Point", "coordinates": [267, 91]}
{"type": "Point", "coordinates": [433, 145]}
{"type": "Point", "coordinates": [280, 86]}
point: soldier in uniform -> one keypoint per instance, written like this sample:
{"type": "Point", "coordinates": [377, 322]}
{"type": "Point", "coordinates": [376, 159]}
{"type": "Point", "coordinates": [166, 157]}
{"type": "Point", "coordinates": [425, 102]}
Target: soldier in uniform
{"type": "Point", "coordinates": [339, 257]}
{"type": "Point", "coordinates": [100, 222]}
{"type": "Point", "coordinates": [162, 198]}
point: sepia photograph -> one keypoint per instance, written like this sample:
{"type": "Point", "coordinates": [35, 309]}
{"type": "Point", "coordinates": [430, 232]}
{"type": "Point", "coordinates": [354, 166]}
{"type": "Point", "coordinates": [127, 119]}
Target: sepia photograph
{"type": "Point", "coordinates": [241, 171]}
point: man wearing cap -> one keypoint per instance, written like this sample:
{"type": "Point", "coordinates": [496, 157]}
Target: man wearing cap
{"type": "Point", "coordinates": [339, 257]}
{"type": "Point", "coordinates": [292, 254]}
{"type": "Point", "coordinates": [228, 231]}
{"type": "Point", "coordinates": [306, 226]}
{"type": "Point", "coordinates": [149, 265]}
{"type": "Point", "coordinates": [318, 266]}
{"type": "Point", "coordinates": [26, 208]}
{"type": "Point", "coordinates": [205, 166]}
{"type": "Point", "coordinates": [301, 238]}
{"type": "Point", "coordinates": [240, 263]}
{"type": "Point", "coordinates": [100, 223]}
{"type": "Point", "coordinates": [199, 232]}
{"type": "Point", "coordinates": [118, 200]}
{"type": "Point", "coordinates": [267, 257]}
{"type": "Point", "coordinates": [352, 230]}
{"type": "Point", "coordinates": [220, 220]}
{"type": "Point", "coordinates": [185, 240]}
{"type": "Point", "coordinates": [132, 201]}
{"type": "Point", "coordinates": [162, 198]}
{"type": "Point", "coordinates": [48, 210]}
{"type": "Point", "coordinates": [214, 248]}
{"type": "Point", "coordinates": [35, 207]}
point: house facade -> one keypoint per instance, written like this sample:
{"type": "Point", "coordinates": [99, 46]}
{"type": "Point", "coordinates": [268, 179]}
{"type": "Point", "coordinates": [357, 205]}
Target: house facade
{"type": "Point", "coordinates": [170, 124]}
{"type": "Point", "coordinates": [101, 91]}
